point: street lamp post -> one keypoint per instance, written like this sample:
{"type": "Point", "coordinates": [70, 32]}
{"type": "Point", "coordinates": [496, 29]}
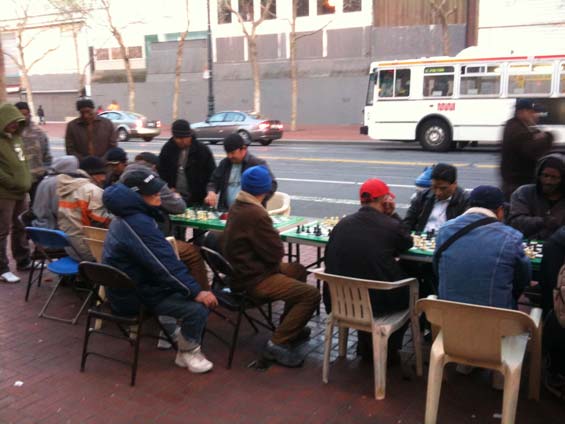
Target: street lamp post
{"type": "Point", "coordinates": [210, 72]}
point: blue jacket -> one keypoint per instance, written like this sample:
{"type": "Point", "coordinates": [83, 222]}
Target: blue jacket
{"type": "Point", "coordinates": [135, 245]}
{"type": "Point", "coordinates": [487, 266]}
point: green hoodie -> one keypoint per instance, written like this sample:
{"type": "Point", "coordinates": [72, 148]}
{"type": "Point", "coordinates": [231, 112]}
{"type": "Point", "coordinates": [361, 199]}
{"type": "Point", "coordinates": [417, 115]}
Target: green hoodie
{"type": "Point", "coordinates": [15, 178]}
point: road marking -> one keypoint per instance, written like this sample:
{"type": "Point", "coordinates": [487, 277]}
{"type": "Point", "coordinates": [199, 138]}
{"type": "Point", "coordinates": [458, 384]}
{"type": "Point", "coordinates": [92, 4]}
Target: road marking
{"type": "Point", "coordinates": [486, 166]}
{"type": "Point", "coordinates": [338, 201]}
{"type": "Point", "coordinates": [300, 180]}
{"type": "Point", "coordinates": [369, 162]}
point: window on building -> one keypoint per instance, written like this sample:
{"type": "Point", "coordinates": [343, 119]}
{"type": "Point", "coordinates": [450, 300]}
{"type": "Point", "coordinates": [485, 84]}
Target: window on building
{"type": "Point", "coordinates": [562, 79]}
{"type": "Point", "coordinates": [483, 80]}
{"type": "Point", "coordinates": [245, 8]}
{"type": "Point", "coordinates": [326, 7]}
{"type": "Point", "coordinates": [117, 53]}
{"type": "Point", "coordinates": [135, 52]}
{"type": "Point", "coordinates": [272, 14]}
{"type": "Point", "coordinates": [224, 14]}
{"type": "Point", "coordinates": [352, 5]}
{"type": "Point", "coordinates": [525, 78]}
{"type": "Point", "coordinates": [303, 8]}
{"type": "Point", "coordinates": [102, 54]}
{"type": "Point", "coordinates": [438, 81]}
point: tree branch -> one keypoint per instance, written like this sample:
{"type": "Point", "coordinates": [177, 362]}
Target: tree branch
{"type": "Point", "coordinates": [52, 49]}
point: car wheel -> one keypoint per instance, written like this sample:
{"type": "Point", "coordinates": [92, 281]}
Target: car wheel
{"type": "Point", "coordinates": [123, 135]}
{"type": "Point", "coordinates": [246, 137]}
{"type": "Point", "coordinates": [265, 142]}
{"type": "Point", "coordinates": [435, 135]}
{"type": "Point", "coordinates": [147, 138]}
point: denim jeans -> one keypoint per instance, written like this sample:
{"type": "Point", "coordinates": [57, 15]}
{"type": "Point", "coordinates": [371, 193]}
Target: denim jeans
{"type": "Point", "coordinates": [192, 316]}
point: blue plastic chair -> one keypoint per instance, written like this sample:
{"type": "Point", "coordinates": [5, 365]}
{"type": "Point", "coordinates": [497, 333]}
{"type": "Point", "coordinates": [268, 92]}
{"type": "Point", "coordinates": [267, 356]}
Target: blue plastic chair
{"type": "Point", "coordinates": [46, 240]}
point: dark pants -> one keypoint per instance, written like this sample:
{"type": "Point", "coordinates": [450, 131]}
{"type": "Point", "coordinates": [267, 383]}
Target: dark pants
{"type": "Point", "coordinates": [9, 223]}
{"type": "Point", "coordinates": [554, 344]}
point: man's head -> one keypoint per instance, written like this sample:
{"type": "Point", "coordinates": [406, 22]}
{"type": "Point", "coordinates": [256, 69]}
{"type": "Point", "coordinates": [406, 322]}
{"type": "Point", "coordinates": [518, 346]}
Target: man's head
{"type": "Point", "coordinates": [526, 112]}
{"type": "Point", "coordinates": [182, 134]}
{"type": "Point", "coordinates": [444, 181]}
{"type": "Point", "coordinates": [375, 193]}
{"type": "Point", "coordinates": [147, 185]}
{"type": "Point", "coordinates": [95, 167]}
{"type": "Point", "coordinates": [149, 159]}
{"type": "Point", "coordinates": [23, 107]}
{"type": "Point", "coordinates": [117, 158]}
{"type": "Point", "coordinates": [12, 119]}
{"type": "Point", "coordinates": [235, 148]}
{"type": "Point", "coordinates": [550, 176]}
{"type": "Point", "coordinates": [490, 198]}
{"type": "Point", "coordinates": [257, 181]}
{"type": "Point", "coordinates": [86, 110]}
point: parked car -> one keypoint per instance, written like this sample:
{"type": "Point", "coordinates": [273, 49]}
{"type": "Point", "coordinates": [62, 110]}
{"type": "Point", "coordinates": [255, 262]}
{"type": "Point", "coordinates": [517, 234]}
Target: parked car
{"type": "Point", "coordinates": [132, 125]}
{"type": "Point", "coordinates": [250, 126]}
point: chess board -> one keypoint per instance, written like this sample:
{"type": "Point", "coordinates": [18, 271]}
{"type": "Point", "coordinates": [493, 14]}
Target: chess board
{"type": "Point", "coordinates": [315, 232]}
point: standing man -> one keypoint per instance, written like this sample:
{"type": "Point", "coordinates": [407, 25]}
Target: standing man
{"type": "Point", "coordinates": [226, 179]}
{"type": "Point", "coordinates": [365, 245]}
{"type": "Point", "coordinates": [36, 149]}
{"type": "Point", "coordinates": [255, 250]}
{"type": "Point", "coordinates": [89, 134]}
{"type": "Point", "coordinates": [522, 145]}
{"type": "Point", "coordinates": [186, 164]}
{"type": "Point", "coordinates": [15, 182]}
{"type": "Point", "coordinates": [41, 115]}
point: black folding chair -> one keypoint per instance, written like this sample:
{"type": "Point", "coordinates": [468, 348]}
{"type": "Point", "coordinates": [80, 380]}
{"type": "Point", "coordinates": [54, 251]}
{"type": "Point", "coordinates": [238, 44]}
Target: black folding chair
{"type": "Point", "coordinates": [235, 301]}
{"type": "Point", "coordinates": [111, 278]}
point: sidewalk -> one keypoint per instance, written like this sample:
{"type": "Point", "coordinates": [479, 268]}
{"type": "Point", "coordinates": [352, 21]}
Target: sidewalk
{"type": "Point", "coordinates": [345, 133]}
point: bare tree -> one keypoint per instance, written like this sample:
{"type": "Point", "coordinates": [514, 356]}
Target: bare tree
{"type": "Point", "coordinates": [2, 74]}
{"type": "Point", "coordinates": [439, 8]}
{"type": "Point", "coordinates": [178, 66]}
{"type": "Point", "coordinates": [22, 43]}
{"type": "Point", "coordinates": [249, 26]}
{"type": "Point", "coordinates": [123, 50]}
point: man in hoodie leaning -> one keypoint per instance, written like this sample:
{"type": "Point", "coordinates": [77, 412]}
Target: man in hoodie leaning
{"type": "Point", "coordinates": [135, 245]}
{"type": "Point", "coordinates": [15, 182]}
{"type": "Point", "coordinates": [80, 204]}
{"type": "Point", "coordinates": [538, 210]}
{"type": "Point", "coordinates": [46, 205]}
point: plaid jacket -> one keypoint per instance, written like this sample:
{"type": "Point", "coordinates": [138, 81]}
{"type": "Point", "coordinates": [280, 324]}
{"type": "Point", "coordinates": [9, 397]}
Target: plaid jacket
{"type": "Point", "coordinates": [36, 150]}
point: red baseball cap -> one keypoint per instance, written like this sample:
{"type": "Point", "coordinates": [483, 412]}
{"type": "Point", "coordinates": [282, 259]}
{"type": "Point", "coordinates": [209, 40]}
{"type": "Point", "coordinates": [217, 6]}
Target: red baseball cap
{"type": "Point", "coordinates": [374, 188]}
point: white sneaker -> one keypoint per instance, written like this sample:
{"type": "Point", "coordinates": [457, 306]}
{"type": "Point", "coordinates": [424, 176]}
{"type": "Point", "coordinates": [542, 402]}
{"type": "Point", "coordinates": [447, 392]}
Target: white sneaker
{"type": "Point", "coordinates": [194, 360]}
{"type": "Point", "coordinates": [163, 343]}
{"type": "Point", "coordinates": [9, 277]}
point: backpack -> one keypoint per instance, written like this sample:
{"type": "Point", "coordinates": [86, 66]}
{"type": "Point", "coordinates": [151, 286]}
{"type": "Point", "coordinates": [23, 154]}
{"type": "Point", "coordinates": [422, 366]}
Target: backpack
{"type": "Point", "coordinates": [559, 297]}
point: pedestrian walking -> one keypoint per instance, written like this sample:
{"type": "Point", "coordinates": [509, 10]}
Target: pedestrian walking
{"type": "Point", "coordinates": [41, 115]}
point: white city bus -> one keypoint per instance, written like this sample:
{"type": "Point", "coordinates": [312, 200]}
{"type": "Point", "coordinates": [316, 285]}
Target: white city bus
{"type": "Point", "coordinates": [441, 101]}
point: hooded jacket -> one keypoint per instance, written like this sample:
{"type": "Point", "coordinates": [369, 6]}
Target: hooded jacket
{"type": "Point", "coordinates": [36, 148]}
{"type": "Point", "coordinates": [80, 204]}
{"type": "Point", "coordinates": [530, 212]}
{"type": "Point", "coordinates": [135, 245]}
{"type": "Point", "coordinates": [15, 178]}
{"type": "Point", "coordinates": [46, 202]}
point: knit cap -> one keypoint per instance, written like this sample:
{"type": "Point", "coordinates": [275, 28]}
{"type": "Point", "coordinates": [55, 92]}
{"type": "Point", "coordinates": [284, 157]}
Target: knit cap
{"type": "Point", "coordinates": [257, 180]}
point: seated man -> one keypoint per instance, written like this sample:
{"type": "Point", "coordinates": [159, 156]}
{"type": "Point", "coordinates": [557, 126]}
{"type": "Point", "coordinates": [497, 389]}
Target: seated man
{"type": "Point", "coordinates": [116, 162]}
{"type": "Point", "coordinates": [225, 182]}
{"type": "Point", "coordinates": [80, 204]}
{"type": "Point", "coordinates": [137, 247]}
{"type": "Point", "coordinates": [46, 205]}
{"type": "Point", "coordinates": [486, 265]}
{"type": "Point", "coordinates": [255, 250]}
{"type": "Point", "coordinates": [443, 201]}
{"type": "Point", "coordinates": [365, 245]}
{"type": "Point", "coordinates": [538, 210]}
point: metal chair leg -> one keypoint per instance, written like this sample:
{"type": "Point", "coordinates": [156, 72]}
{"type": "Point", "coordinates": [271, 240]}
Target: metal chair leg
{"type": "Point", "coordinates": [234, 338]}
{"type": "Point", "coordinates": [85, 344]}
{"type": "Point", "coordinates": [136, 352]}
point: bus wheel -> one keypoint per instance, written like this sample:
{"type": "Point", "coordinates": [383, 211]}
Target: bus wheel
{"type": "Point", "coordinates": [435, 135]}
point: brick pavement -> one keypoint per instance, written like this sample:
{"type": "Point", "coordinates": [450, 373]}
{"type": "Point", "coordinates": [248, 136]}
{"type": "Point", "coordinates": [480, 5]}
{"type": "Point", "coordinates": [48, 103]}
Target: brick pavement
{"type": "Point", "coordinates": [45, 355]}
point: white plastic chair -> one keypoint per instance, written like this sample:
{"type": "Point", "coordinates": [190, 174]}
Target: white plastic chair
{"type": "Point", "coordinates": [279, 204]}
{"type": "Point", "coordinates": [485, 337]}
{"type": "Point", "coordinates": [351, 308]}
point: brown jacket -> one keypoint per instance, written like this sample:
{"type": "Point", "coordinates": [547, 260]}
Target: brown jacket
{"type": "Point", "coordinates": [81, 142]}
{"type": "Point", "coordinates": [251, 243]}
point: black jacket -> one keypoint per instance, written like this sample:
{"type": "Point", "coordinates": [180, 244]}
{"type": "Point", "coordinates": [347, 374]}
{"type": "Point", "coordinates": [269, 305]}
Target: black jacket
{"type": "Point", "coordinates": [221, 175]}
{"type": "Point", "coordinates": [199, 167]}
{"type": "Point", "coordinates": [422, 206]}
{"type": "Point", "coordinates": [551, 263]}
{"type": "Point", "coordinates": [366, 245]}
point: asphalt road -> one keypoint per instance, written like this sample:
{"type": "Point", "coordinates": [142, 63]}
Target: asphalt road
{"type": "Point", "coordinates": [323, 178]}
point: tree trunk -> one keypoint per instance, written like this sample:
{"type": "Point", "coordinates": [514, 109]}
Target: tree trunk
{"type": "Point", "coordinates": [293, 70]}
{"type": "Point", "coordinates": [2, 75]}
{"type": "Point", "coordinates": [252, 43]}
{"type": "Point", "coordinates": [445, 35]}
{"type": "Point", "coordinates": [178, 68]}
{"type": "Point", "coordinates": [77, 60]}
{"type": "Point", "coordinates": [29, 95]}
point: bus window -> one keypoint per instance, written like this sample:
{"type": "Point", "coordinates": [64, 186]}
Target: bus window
{"type": "Point", "coordinates": [562, 79]}
{"type": "Point", "coordinates": [371, 89]}
{"type": "Point", "coordinates": [528, 79]}
{"type": "Point", "coordinates": [402, 83]}
{"type": "Point", "coordinates": [480, 80]}
{"type": "Point", "coordinates": [438, 81]}
{"type": "Point", "coordinates": [386, 82]}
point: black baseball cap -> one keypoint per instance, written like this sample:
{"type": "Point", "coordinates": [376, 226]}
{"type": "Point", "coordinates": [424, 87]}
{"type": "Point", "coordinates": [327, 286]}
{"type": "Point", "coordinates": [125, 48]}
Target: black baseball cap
{"type": "Point", "coordinates": [488, 197]}
{"type": "Point", "coordinates": [144, 183]}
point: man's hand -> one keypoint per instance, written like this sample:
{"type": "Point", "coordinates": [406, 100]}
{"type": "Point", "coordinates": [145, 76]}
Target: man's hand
{"type": "Point", "coordinates": [211, 199]}
{"type": "Point", "coordinates": [207, 298]}
{"type": "Point", "coordinates": [389, 205]}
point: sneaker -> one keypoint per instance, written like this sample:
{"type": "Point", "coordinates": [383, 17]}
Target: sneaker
{"type": "Point", "coordinates": [25, 266]}
{"type": "Point", "coordinates": [163, 343]}
{"type": "Point", "coordinates": [9, 277]}
{"type": "Point", "coordinates": [194, 360]}
{"type": "Point", "coordinates": [283, 355]}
